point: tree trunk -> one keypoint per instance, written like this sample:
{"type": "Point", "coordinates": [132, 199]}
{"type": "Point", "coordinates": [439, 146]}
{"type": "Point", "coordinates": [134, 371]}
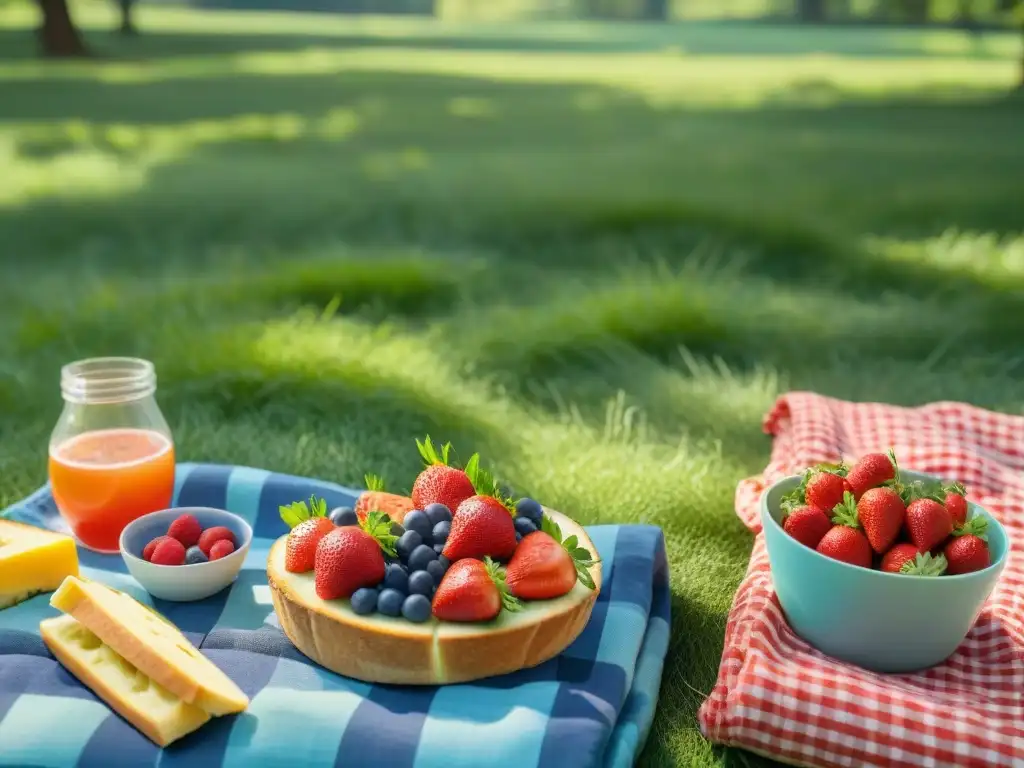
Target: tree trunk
{"type": "Point", "coordinates": [58, 35]}
{"type": "Point", "coordinates": [812, 11]}
{"type": "Point", "coordinates": [127, 19]}
{"type": "Point", "coordinates": [656, 10]}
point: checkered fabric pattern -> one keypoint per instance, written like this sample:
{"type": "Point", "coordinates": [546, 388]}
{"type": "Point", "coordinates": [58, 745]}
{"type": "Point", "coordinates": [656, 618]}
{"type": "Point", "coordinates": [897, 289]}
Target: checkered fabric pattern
{"type": "Point", "coordinates": [591, 706]}
{"type": "Point", "coordinates": [779, 697]}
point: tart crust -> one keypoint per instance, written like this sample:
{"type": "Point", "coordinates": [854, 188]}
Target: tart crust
{"type": "Point", "coordinates": [381, 649]}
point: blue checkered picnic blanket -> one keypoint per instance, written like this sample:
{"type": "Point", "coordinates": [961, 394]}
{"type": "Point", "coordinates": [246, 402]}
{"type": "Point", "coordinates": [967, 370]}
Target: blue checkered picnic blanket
{"type": "Point", "coordinates": [591, 706]}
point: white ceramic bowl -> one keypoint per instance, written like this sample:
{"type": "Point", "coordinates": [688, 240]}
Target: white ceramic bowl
{"type": "Point", "coordinates": [182, 583]}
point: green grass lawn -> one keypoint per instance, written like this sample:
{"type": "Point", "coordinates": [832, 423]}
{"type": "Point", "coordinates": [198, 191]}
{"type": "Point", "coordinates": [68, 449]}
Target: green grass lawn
{"type": "Point", "coordinates": [595, 254]}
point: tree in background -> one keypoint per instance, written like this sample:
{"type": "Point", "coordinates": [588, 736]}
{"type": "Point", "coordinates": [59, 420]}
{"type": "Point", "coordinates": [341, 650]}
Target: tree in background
{"type": "Point", "coordinates": [58, 35]}
{"type": "Point", "coordinates": [811, 11]}
{"type": "Point", "coordinates": [127, 20]}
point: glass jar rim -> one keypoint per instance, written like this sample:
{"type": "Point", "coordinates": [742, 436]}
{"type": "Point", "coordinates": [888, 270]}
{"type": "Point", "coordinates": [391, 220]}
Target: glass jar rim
{"type": "Point", "coordinates": [107, 380]}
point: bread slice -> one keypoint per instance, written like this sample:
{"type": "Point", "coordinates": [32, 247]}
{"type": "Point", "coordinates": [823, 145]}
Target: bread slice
{"type": "Point", "coordinates": [149, 642]}
{"type": "Point", "coordinates": [32, 560]}
{"type": "Point", "coordinates": [155, 711]}
{"type": "Point", "coordinates": [381, 649]}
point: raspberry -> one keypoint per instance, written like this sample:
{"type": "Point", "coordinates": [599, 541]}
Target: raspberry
{"type": "Point", "coordinates": [147, 553]}
{"type": "Point", "coordinates": [212, 535]}
{"type": "Point", "coordinates": [185, 529]}
{"type": "Point", "coordinates": [221, 548]}
{"type": "Point", "coordinates": [169, 552]}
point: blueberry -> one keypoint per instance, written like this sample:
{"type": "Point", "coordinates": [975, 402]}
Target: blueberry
{"type": "Point", "coordinates": [421, 583]}
{"type": "Point", "coordinates": [420, 557]}
{"type": "Point", "coordinates": [396, 578]}
{"type": "Point", "coordinates": [344, 516]}
{"type": "Point", "coordinates": [418, 521]}
{"type": "Point", "coordinates": [441, 531]}
{"type": "Point", "coordinates": [364, 600]}
{"type": "Point", "coordinates": [416, 608]}
{"type": "Point", "coordinates": [438, 513]}
{"type": "Point", "coordinates": [194, 556]}
{"type": "Point", "coordinates": [407, 543]}
{"type": "Point", "coordinates": [397, 529]}
{"type": "Point", "coordinates": [519, 537]}
{"type": "Point", "coordinates": [438, 549]}
{"type": "Point", "coordinates": [390, 602]}
{"type": "Point", "coordinates": [525, 526]}
{"type": "Point", "coordinates": [436, 569]}
{"type": "Point", "coordinates": [444, 561]}
{"type": "Point", "coordinates": [531, 509]}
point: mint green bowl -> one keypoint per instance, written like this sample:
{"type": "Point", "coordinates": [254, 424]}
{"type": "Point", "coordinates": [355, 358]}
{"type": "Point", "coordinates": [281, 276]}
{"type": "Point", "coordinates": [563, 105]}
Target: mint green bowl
{"type": "Point", "coordinates": [884, 622]}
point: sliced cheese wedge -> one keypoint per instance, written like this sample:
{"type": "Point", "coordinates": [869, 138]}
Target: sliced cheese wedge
{"type": "Point", "coordinates": [155, 711]}
{"type": "Point", "coordinates": [33, 560]}
{"type": "Point", "coordinates": [149, 642]}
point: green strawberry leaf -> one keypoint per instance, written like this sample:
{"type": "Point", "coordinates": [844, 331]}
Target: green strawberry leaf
{"type": "Point", "coordinates": [430, 453]}
{"type": "Point", "coordinates": [845, 512]}
{"type": "Point", "coordinates": [925, 565]}
{"type": "Point", "coordinates": [550, 527]}
{"type": "Point", "coordinates": [299, 511]}
{"type": "Point", "coordinates": [508, 601]}
{"type": "Point", "coordinates": [921, 490]}
{"type": "Point", "coordinates": [957, 488]}
{"type": "Point", "coordinates": [976, 526]}
{"type": "Point", "coordinates": [378, 525]}
{"type": "Point", "coordinates": [582, 558]}
{"type": "Point", "coordinates": [374, 482]}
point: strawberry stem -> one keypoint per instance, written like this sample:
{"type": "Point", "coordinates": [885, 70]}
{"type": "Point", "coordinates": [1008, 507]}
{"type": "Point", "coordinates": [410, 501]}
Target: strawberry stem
{"type": "Point", "coordinates": [845, 512]}
{"type": "Point", "coordinates": [299, 511]}
{"type": "Point", "coordinates": [374, 482]}
{"type": "Point", "coordinates": [508, 601]}
{"type": "Point", "coordinates": [430, 454]}
{"type": "Point", "coordinates": [378, 525]}
{"type": "Point", "coordinates": [925, 565]}
{"type": "Point", "coordinates": [976, 526]}
{"type": "Point", "coordinates": [957, 488]}
{"type": "Point", "coordinates": [582, 558]}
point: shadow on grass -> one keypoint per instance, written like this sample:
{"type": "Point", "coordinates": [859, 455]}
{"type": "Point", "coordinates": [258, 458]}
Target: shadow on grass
{"type": "Point", "coordinates": [695, 38]}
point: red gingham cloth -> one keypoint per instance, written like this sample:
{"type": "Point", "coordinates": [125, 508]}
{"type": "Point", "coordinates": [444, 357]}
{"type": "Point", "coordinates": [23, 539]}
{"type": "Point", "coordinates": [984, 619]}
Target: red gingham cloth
{"type": "Point", "coordinates": [777, 696]}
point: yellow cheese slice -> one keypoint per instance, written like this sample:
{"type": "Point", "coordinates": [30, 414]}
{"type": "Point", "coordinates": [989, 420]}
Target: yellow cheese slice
{"type": "Point", "coordinates": [149, 642]}
{"type": "Point", "coordinates": [33, 560]}
{"type": "Point", "coordinates": [151, 708]}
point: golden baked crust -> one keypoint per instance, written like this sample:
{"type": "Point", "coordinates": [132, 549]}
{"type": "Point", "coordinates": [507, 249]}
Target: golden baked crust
{"type": "Point", "coordinates": [381, 649]}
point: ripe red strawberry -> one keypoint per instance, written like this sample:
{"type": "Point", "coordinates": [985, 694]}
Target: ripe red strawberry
{"type": "Point", "coordinates": [844, 540]}
{"type": "Point", "coordinates": [907, 559]}
{"type": "Point", "coordinates": [351, 557]}
{"type": "Point", "coordinates": [375, 498]}
{"type": "Point", "coordinates": [825, 489]}
{"type": "Point", "coordinates": [898, 556]}
{"type": "Point", "coordinates": [212, 535]}
{"type": "Point", "coordinates": [807, 525]}
{"type": "Point", "coordinates": [169, 552]}
{"type": "Point", "coordinates": [928, 523]}
{"type": "Point", "coordinates": [147, 553]}
{"type": "Point", "coordinates": [871, 471]}
{"type": "Point", "coordinates": [481, 527]}
{"type": "Point", "coordinates": [846, 544]}
{"type": "Point", "coordinates": [473, 590]}
{"type": "Point", "coordinates": [968, 551]}
{"type": "Point", "coordinates": [881, 514]}
{"type": "Point", "coordinates": [300, 547]}
{"type": "Point", "coordinates": [185, 529]}
{"type": "Point", "coordinates": [221, 548]}
{"type": "Point", "coordinates": [544, 567]}
{"type": "Point", "coordinates": [440, 483]}
{"type": "Point", "coordinates": [956, 503]}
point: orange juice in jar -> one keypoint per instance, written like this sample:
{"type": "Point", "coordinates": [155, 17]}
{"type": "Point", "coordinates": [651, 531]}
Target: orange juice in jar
{"type": "Point", "coordinates": [111, 453]}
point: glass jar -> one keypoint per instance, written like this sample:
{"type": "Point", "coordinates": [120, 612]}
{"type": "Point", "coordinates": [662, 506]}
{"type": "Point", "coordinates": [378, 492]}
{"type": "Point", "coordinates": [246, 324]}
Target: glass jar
{"type": "Point", "coordinates": [111, 453]}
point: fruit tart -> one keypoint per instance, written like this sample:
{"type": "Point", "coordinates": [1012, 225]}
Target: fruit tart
{"type": "Point", "coordinates": [455, 583]}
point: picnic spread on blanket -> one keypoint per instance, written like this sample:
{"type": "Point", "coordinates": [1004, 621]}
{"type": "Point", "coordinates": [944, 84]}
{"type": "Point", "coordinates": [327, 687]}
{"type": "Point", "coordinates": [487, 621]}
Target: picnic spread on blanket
{"type": "Point", "coordinates": [171, 613]}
